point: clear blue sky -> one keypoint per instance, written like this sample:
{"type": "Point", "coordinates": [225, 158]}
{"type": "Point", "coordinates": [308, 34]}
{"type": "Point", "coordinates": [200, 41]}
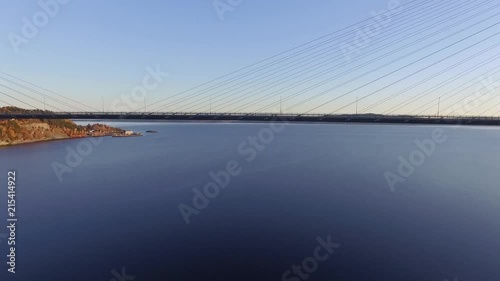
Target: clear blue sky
{"type": "Point", "coordinates": [96, 48]}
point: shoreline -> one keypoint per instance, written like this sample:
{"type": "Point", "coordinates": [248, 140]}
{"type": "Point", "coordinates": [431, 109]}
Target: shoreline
{"type": "Point", "coordinates": [55, 139]}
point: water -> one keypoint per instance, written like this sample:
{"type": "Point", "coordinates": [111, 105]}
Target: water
{"type": "Point", "coordinates": [119, 208]}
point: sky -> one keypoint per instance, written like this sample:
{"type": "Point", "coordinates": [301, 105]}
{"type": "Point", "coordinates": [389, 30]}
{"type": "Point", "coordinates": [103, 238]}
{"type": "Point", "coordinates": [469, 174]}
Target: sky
{"type": "Point", "coordinates": [97, 52]}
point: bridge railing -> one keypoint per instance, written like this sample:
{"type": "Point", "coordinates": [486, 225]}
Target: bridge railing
{"type": "Point", "coordinates": [257, 114]}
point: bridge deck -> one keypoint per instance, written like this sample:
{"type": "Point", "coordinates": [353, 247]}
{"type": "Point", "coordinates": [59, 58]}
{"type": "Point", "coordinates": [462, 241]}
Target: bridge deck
{"type": "Point", "coordinates": [263, 117]}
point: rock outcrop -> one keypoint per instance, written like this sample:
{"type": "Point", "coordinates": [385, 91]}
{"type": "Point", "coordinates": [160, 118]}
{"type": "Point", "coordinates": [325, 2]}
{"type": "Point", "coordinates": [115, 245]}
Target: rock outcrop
{"type": "Point", "coordinates": [14, 131]}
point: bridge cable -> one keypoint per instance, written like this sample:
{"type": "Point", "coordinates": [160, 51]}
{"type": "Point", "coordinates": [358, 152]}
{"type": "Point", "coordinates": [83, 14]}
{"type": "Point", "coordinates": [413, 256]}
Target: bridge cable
{"type": "Point", "coordinates": [302, 71]}
{"type": "Point", "coordinates": [41, 94]}
{"type": "Point", "coordinates": [406, 103]}
{"type": "Point", "coordinates": [49, 91]}
{"type": "Point", "coordinates": [439, 86]}
{"type": "Point", "coordinates": [5, 94]}
{"type": "Point", "coordinates": [427, 67]}
{"type": "Point", "coordinates": [407, 65]}
{"type": "Point", "coordinates": [289, 50]}
{"type": "Point", "coordinates": [238, 99]}
{"type": "Point", "coordinates": [23, 94]}
{"type": "Point", "coordinates": [354, 69]}
{"type": "Point", "coordinates": [463, 99]}
{"type": "Point", "coordinates": [445, 96]}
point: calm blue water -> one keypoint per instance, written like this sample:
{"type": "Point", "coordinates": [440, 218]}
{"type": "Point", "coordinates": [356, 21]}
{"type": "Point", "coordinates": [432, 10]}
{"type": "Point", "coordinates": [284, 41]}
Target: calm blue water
{"type": "Point", "coordinates": [120, 206]}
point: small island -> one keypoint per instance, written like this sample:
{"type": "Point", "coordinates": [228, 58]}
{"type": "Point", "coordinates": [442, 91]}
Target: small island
{"type": "Point", "coordinates": [13, 131]}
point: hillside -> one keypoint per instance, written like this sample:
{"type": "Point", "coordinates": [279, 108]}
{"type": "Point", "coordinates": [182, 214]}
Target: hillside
{"type": "Point", "coordinates": [14, 131]}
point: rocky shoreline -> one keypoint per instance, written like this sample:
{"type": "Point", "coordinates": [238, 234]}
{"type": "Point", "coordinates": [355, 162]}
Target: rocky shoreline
{"type": "Point", "coordinates": [7, 144]}
{"type": "Point", "coordinates": [16, 132]}
{"type": "Point", "coordinates": [15, 143]}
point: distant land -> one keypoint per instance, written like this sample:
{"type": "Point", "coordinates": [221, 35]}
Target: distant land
{"type": "Point", "coordinates": [13, 131]}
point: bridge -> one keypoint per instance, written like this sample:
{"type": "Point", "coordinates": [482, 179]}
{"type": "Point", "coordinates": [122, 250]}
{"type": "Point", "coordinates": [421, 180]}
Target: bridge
{"type": "Point", "coordinates": [260, 117]}
{"type": "Point", "coordinates": [416, 71]}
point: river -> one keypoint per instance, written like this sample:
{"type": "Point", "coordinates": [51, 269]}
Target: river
{"type": "Point", "coordinates": [257, 201]}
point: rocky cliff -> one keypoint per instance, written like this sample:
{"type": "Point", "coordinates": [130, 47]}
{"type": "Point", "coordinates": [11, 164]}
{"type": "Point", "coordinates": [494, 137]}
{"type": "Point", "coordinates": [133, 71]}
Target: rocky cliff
{"type": "Point", "coordinates": [14, 131]}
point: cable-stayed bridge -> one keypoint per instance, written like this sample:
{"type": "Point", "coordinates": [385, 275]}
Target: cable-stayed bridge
{"type": "Point", "coordinates": [261, 117]}
{"type": "Point", "coordinates": [429, 61]}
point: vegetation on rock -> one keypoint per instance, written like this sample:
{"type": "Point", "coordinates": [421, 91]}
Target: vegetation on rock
{"type": "Point", "coordinates": [15, 131]}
